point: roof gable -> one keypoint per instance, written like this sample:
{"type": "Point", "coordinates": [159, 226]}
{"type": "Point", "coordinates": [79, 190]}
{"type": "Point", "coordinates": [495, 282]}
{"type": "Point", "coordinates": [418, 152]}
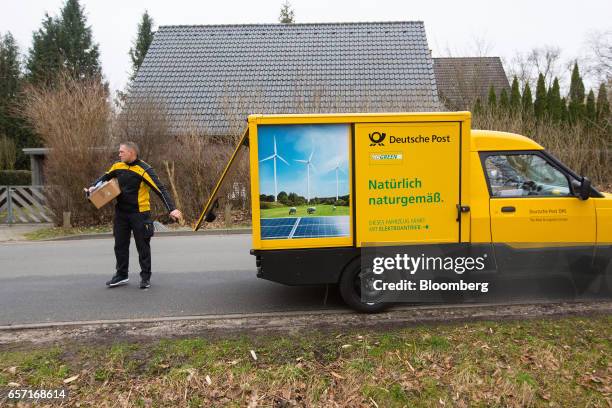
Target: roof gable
{"type": "Point", "coordinates": [461, 81]}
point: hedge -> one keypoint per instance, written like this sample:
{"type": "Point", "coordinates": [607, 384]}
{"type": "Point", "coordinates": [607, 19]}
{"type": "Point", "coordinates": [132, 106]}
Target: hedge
{"type": "Point", "coordinates": [15, 177]}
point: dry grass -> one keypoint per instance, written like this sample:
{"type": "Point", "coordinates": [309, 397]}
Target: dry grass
{"type": "Point", "coordinates": [558, 363]}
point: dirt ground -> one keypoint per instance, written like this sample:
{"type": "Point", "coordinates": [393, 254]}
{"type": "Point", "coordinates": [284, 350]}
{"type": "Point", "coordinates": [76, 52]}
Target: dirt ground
{"type": "Point", "coordinates": [22, 337]}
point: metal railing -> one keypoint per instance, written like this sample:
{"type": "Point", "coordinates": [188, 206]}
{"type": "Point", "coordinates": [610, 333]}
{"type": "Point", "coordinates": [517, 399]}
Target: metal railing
{"type": "Point", "coordinates": [23, 204]}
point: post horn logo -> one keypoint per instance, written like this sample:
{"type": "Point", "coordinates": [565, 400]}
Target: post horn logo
{"type": "Point", "coordinates": [377, 138]}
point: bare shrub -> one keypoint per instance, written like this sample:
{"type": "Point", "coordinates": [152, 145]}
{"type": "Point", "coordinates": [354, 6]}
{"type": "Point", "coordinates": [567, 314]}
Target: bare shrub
{"type": "Point", "coordinates": [73, 120]}
{"type": "Point", "coordinates": [198, 161]}
{"type": "Point", "coordinates": [185, 157]}
{"type": "Point", "coordinates": [583, 149]}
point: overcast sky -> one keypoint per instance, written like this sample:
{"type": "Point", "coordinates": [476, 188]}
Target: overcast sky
{"type": "Point", "coordinates": [505, 27]}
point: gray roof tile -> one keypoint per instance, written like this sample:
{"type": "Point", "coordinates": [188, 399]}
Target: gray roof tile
{"type": "Point", "coordinates": [462, 80]}
{"type": "Point", "coordinates": [218, 74]}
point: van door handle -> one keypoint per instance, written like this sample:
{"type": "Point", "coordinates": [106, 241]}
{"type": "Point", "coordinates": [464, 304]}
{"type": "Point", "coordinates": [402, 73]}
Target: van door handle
{"type": "Point", "coordinates": [462, 209]}
{"type": "Point", "coordinates": [508, 209]}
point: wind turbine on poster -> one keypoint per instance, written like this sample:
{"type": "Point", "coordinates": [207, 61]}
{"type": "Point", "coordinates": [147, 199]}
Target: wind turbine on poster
{"type": "Point", "coordinates": [337, 168]}
{"type": "Point", "coordinates": [308, 164]}
{"type": "Point", "coordinates": [273, 158]}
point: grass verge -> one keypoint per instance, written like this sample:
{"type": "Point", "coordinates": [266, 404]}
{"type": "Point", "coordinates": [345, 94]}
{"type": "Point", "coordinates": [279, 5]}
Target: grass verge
{"type": "Point", "coordinates": [544, 362]}
{"type": "Point", "coordinates": [56, 232]}
{"type": "Point", "coordinates": [322, 210]}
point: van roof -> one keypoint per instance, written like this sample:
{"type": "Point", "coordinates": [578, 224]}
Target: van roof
{"type": "Point", "coordinates": [491, 140]}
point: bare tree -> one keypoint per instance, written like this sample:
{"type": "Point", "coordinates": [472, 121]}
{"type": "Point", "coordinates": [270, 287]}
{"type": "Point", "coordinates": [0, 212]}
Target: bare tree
{"type": "Point", "coordinates": [599, 57]}
{"type": "Point", "coordinates": [546, 61]}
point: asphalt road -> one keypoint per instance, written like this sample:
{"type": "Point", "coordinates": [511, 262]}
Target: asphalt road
{"type": "Point", "coordinates": [193, 275]}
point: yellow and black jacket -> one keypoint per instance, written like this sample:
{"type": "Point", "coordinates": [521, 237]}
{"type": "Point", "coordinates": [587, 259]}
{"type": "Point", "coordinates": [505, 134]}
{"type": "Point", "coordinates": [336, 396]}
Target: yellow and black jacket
{"type": "Point", "coordinates": [136, 179]}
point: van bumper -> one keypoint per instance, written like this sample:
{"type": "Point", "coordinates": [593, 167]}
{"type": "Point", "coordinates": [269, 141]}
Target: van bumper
{"type": "Point", "coordinates": [311, 266]}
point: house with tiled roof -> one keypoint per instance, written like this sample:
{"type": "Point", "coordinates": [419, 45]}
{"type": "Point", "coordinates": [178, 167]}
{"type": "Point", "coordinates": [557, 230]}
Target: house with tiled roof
{"type": "Point", "coordinates": [461, 81]}
{"type": "Point", "coordinates": [212, 76]}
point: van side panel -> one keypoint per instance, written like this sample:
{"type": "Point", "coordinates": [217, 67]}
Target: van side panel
{"type": "Point", "coordinates": [407, 182]}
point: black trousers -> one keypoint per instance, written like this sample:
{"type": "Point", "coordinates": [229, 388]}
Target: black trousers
{"type": "Point", "coordinates": [141, 226]}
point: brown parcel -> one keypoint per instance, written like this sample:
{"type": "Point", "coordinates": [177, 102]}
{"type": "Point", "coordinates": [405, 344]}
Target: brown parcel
{"type": "Point", "coordinates": [105, 193]}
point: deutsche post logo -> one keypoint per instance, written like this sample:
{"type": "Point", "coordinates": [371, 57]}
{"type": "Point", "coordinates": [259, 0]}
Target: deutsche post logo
{"type": "Point", "coordinates": [377, 138]}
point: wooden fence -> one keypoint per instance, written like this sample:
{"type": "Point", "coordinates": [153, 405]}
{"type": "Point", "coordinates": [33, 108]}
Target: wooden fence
{"type": "Point", "coordinates": [23, 204]}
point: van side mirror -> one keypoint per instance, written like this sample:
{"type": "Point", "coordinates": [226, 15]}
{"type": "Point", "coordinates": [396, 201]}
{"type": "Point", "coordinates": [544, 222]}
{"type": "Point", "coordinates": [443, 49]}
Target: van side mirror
{"type": "Point", "coordinates": [585, 189]}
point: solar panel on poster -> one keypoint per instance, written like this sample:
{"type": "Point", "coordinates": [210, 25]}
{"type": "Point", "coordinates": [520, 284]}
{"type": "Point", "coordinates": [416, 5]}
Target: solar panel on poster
{"type": "Point", "coordinates": [305, 227]}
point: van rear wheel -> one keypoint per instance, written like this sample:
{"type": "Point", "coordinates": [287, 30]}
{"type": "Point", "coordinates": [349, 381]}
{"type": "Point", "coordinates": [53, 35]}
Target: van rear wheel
{"type": "Point", "coordinates": [350, 289]}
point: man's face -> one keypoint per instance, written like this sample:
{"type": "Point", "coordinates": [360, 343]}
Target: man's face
{"type": "Point", "coordinates": [126, 154]}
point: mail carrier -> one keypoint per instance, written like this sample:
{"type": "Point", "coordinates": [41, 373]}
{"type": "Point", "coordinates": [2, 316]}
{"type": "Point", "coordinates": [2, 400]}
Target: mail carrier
{"type": "Point", "coordinates": [323, 186]}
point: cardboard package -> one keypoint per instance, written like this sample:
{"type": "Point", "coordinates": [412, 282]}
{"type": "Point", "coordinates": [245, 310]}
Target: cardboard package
{"type": "Point", "coordinates": [105, 193]}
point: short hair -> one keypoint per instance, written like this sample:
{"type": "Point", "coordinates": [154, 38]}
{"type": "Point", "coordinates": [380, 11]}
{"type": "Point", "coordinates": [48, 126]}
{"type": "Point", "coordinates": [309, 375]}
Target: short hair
{"type": "Point", "coordinates": [131, 145]}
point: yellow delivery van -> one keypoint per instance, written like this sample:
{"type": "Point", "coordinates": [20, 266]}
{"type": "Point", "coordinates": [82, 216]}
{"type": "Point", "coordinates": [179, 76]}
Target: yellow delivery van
{"type": "Point", "coordinates": [324, 186]}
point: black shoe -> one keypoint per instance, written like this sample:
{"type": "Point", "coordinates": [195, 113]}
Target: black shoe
{"type": "Point", "coordinates": [117, 281]}
{"type": "Point", "coordinates": [145, 284]}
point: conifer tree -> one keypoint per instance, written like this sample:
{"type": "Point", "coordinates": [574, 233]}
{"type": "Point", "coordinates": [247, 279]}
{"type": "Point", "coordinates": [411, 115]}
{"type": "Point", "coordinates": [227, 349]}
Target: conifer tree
{"type": "Point", "coordinates": [144, 37]}
{"type": "Point", "coordinates": [287, 15]}
{"type": "Point", "coordinates": [553, 102]}
{"type": "Point", "coordinates": [492, 99]}
{"type": "Point", "coordinates": [504, 101]}
{"type": "Point", "coordinates": [45, 60]}
{"type": "Point", "coordinates": [81, 55]}
{"type": "Point", "coordinates": [564, 111]}
{"type": "Point", "coordinates": [603, 106]}
{"type": "Point", "coordinates": [477, 109]}
{"type": "Point", "coordinates": [576, 96]}
{"type": "Point", "coordinates": [527, 103]}
{"type": "Point", "coordinates": [590, 110]}
{"type": "Point", "coordinates": [515, 97]}
{"type": "Point", "coordinates": [10, 75]}
{"type": "Point", "coordinates": [63, 43]}
{"type": "Point", "coordinates": [539, 106]}
{"type": "Point", "coordinates": [12, 125]}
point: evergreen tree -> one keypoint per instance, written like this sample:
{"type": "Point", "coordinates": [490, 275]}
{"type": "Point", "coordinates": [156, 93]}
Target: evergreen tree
{"type": "Point", "coordinates": [603, 106]}
{"type": "Point", "coordinates": [591, 110]}
{"type": "Point", "coordinates": [10, 73]}
{"type": "Point", "coordinates": [12, 125]}
{"type": "Point", "coordinates": [515, 97]}
{"type": "Point", "coordinates": [492, 99]}
{"type": "Point", "coordinates": [564, 111]}
{"type": "Point", "coordinates": [539, 106]}
{"type": "Point", "coordinates": [477, 108]}
{"type": "Point", "coordinates": [553, 102]}
{"type": "Point", "coordinates": [287, 15]}
{"type": "Point", "coordinates": [81, 55]}
{"type": "Point", "coordinates": [504, 101]}
{"type": "Point", "coordinates": [576, 96]}
{"type": "Point", "coordinates": [45, 60]}
{"type": "Point", "coordinates": [142, 43]}
{"type": "Point", "coordinates": [63, 43]}
{"type": "Point", "coordinates": [527, 103]}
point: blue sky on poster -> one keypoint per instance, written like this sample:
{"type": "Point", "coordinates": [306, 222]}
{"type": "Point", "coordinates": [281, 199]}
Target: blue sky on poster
{"type": "Point", "coordinates": [296, 142]}
{"type": "Point", "coordinates": [505, 27]}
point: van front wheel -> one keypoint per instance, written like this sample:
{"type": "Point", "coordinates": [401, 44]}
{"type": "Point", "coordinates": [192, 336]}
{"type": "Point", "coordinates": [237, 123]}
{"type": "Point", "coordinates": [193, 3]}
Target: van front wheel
{"type": "Point", "coordinates": [350, 289]}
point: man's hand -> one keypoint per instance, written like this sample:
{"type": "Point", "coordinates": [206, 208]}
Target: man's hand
{"type": "Point", "coordinates": [88, 189]}
{"type": "Point", "coordinates": [177, 215]}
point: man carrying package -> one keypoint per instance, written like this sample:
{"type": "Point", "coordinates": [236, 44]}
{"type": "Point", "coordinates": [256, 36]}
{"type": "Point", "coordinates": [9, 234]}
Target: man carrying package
{"type": "Point", "coordinates": [133, 211]}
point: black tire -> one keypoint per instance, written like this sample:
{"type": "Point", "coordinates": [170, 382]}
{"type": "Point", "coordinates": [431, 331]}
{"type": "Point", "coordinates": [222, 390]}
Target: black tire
{"type": "Point", "coordinates": [350, 290]}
